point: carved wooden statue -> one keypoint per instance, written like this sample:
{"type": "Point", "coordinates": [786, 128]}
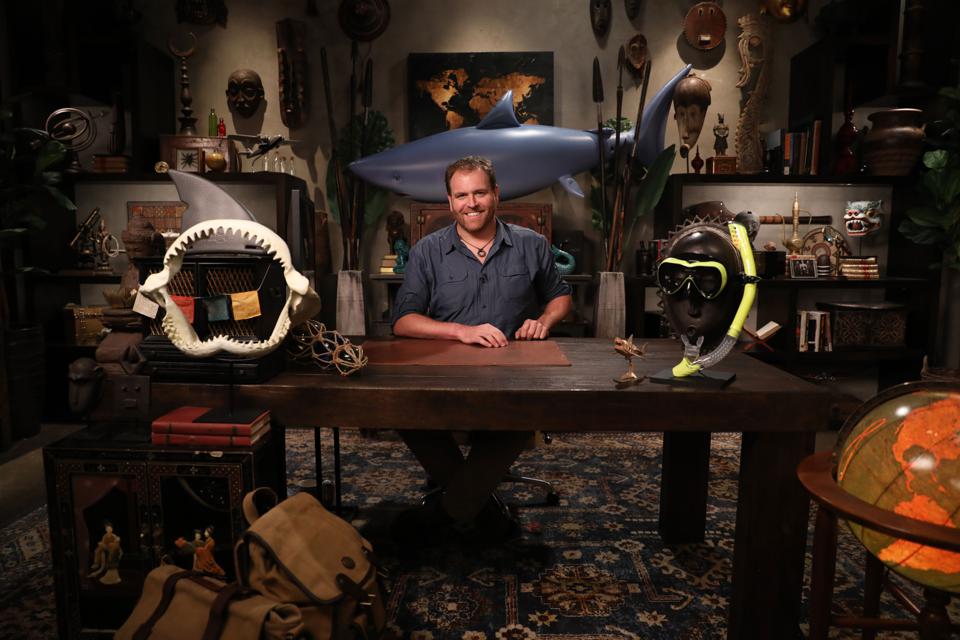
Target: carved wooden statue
{"type": "Point", "coordinates": [754, 46]}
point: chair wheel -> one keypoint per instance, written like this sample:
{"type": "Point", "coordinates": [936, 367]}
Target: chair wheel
{"type": "Point", "coordinates": [553, 498]}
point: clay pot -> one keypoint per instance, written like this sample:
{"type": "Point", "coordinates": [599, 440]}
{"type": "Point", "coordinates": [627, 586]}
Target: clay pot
{"type": "Point", "coordinates": [894, 143]}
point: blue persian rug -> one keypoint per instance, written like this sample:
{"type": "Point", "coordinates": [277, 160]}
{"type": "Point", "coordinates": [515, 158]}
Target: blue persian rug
{"type": "Point", "coordinates": [591, 568]}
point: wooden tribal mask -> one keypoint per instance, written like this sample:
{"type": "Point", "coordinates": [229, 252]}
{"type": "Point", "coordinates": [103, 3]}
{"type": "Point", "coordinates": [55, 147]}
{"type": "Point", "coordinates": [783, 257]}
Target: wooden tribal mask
{"type": "Point", "coordinates": [293, 72]}
{"type": "Point", "coordinates": [704, 26]}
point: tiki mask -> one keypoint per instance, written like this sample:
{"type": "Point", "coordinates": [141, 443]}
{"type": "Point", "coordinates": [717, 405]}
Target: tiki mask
{"type": "Point", "coordinates": [244, 92]}
{"type": "Point", "coordinates": [633, 8]}
{"type": "Point", "coordinates": [702, 287]}
{"type": "Point", "coordinates": [293, 72]}
{"type": "Point", "coordinates": [704, 26]}
{"type": "Point", "coordinates": [690, 101]}
{"type": "Point", "coordinates": [863, 217]}
{"type": "Point", "coordinates": [600, 17]}
{"type": "Point", "coordinates": [784, 10]}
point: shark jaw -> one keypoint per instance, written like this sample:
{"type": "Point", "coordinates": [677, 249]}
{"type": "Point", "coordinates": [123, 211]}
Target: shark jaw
{"type": "Point", "coordinates": [302, 301]}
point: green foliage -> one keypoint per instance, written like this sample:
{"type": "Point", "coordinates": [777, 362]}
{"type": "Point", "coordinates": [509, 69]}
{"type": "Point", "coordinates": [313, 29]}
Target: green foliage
{"type": "Point", "coordinates": [28, 176]}
{"type": "Point", "coordinates": [379, 137]}
{"type": "Point", "coordinates": [936, 220]}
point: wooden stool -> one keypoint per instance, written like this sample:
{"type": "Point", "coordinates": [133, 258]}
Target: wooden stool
{"type": "Point", "coordinates": [931, 620]}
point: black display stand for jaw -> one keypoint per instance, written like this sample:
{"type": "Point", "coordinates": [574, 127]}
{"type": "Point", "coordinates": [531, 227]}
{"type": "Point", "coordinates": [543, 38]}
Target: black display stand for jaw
{"type": "Point", "coordinates": [705, 378]}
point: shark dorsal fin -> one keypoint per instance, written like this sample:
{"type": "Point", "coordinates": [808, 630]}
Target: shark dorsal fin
{"type": "Point", "coordinates": [502, 115]}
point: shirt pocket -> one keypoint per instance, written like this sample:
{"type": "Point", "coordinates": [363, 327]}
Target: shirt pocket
{"type": "Point", "coordinates": [515, 282]}
{"type": "Point", "coordinates": [452, 294]}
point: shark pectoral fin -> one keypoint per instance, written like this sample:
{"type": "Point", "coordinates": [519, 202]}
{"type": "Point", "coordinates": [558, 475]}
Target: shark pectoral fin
{"type": "Point", "coordinates": [568, 183]}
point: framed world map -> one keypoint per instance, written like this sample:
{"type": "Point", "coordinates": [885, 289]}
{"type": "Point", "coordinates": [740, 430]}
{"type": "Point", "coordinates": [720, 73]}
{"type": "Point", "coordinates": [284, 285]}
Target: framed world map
{"type": "Point", "coordinates": [452, 90]}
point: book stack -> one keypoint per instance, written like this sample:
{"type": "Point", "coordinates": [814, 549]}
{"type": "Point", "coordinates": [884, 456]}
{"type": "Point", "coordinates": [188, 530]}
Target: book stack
{"type": "Point", "coordinates": [813, 331]}
{"type": "Point", "coordinates": [860, 268]}
{"type": "Point", "coordinates": [209, 427]}
{"type": "Point", "coordinates": [798, 151]}
{"type": "Point", "coordinates": [388, 262]}
{"type": "Point", "coordinates": [110, 164]}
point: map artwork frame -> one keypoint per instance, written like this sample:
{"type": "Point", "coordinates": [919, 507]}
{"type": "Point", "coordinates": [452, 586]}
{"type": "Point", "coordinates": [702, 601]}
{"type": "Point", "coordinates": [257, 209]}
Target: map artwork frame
{"type": "Point", "coordinates": [451, 90]}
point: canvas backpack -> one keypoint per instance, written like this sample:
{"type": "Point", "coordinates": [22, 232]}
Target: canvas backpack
{"type": "Point", "coordinates": [299, 553]}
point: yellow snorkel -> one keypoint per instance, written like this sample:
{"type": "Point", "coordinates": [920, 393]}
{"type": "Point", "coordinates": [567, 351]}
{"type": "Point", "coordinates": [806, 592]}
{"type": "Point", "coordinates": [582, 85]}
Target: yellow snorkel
{"type": "Point", "coordinates": [693, 362]}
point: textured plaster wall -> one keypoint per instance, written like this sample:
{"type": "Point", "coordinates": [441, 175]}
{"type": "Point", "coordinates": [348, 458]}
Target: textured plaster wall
{"type": "Point", "coordinates": [561, 26]}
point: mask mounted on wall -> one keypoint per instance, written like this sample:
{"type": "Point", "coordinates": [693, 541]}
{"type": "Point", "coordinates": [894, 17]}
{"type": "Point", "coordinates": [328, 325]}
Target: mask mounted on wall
{"type": "Point", "coordinates": [863, 217]}
{"type": "Point", "coordinates": [691, 99]}
{"type": "Point", "coordinates": [85, 377]}
{"type": "Point", "coordinates": [600, 12]}
{"type": "Point", "coordinates": [708, 281]}
{"type": "Point", "coordinates": [244, 92]}
{"type": "Point", "coordinates": [704, 26]}
{"type": "Point", "coordinates": [293, 72]}
{"type": "Point", "coordinates": [784, 10]}
{"type": "Point", "coordinates": [633, 8]}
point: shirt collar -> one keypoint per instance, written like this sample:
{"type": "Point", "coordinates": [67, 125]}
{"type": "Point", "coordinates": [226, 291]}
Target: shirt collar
{"type": "Point", "coordinates": [450, 239]}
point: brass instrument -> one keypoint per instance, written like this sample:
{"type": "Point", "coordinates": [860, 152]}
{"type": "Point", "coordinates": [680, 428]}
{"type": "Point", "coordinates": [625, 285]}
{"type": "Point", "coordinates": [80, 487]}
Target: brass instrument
{"type": "Point", "coordinates": [795, 244]}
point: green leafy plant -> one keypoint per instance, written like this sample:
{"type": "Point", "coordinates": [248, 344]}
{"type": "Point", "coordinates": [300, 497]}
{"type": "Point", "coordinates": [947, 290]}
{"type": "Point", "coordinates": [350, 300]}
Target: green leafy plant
{"type": "Point", "coordinates": [379, 137]}
{"type": "Point", "coordinates": [936, 220]}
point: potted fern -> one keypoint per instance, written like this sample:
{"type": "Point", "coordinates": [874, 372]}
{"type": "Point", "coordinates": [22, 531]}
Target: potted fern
{"type": "Point", "coordinates": [936, 220]}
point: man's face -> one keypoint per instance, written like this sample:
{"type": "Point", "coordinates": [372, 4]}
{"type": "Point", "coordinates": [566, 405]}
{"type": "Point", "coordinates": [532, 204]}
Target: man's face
{"type": "Point", "coordinates": [689, 122]}
{"type": "Point", "coordinates": [473, 201]}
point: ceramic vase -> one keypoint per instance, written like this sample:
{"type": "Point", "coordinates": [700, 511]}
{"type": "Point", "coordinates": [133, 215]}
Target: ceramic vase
{"type": "Point", "coordinates": [350, 308]}
{"type": "Point", "coordinates": [894, 143]}
{"type": "Point", "coordinates": [610, 310]}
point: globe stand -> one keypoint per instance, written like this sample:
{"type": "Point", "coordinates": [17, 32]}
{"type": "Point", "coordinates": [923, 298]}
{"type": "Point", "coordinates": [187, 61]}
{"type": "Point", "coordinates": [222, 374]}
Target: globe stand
{"type": "Point", "coordinates": [932, 621]}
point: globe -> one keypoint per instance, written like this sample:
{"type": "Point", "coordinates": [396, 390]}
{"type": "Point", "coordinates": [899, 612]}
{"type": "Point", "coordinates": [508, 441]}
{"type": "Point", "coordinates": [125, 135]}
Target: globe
{"type": "Point", "coordinates": [901, 452]}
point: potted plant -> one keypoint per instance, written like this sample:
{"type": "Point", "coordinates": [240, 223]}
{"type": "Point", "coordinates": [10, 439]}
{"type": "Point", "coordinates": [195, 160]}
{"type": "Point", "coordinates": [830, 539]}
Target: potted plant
{"type": "Point", "coordinates": [29, 159]}
{"type": "Point", "coordinates": [936, 220]}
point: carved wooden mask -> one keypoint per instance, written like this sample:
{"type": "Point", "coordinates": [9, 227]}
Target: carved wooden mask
{"type": "Point", "coordinates": [292, 59]}
{"type": "Point", "coordinates": [600, 12]}
{"type": "Point", "coordinates": [633, 8]}
{"type": "Point", "coordinates": [244, 91]}
{"type": "Point", "coordinates": [704, 26]}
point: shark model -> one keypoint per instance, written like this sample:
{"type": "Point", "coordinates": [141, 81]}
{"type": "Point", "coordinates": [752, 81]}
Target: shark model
{"type": "Point", "coordinates": [527, 157]}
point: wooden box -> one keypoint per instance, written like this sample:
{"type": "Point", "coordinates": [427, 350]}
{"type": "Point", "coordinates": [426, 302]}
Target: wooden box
{"type": "Point", "coordinates": [83, 324]}
{"type": "Point", "coordinates": [150, 496]}
{"type": "Point", "coordinates": [196, 154]}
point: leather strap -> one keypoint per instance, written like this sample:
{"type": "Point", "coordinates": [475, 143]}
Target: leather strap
{"type": "Point", "coordinates": [169, 588]}
{"type": "Point", "coordinates": [250, 511]}
{"type": "Point", "coordinates": [217, 619]}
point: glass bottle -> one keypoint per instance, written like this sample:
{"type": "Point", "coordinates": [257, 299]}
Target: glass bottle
{"type": "Point", "coordinates": [290, 166]}
{"type": "Point", "coordinates": [278, 165]}
{"type": "Point", "coordinates": [212, 123]}
{"type": "Point", "coordinates": [221, 129]}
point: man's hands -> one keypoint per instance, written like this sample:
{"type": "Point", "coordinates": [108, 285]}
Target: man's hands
{"type": "Point", "coordinates": [532, 330]}
{"type": "Point", "coordinates": [485, 335]}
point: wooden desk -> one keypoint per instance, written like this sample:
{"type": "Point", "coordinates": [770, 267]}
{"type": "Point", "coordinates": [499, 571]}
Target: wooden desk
{"type": "Point", "coordinates": [777, 413]}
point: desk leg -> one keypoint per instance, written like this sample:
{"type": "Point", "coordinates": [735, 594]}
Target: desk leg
{"type": "Point", "coordinates": [685, 469]}
{"type": "Point", "coordinates": [770, 537]}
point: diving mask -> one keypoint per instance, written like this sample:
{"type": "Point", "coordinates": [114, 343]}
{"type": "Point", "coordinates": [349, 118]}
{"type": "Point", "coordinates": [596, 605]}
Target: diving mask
{"type": "Point", "coordinates": [708, 277]}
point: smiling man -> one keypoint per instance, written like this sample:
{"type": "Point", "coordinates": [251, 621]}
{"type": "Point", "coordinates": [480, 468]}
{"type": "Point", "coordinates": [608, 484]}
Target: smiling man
{"type": "Point", "coordinates": [479, 281]}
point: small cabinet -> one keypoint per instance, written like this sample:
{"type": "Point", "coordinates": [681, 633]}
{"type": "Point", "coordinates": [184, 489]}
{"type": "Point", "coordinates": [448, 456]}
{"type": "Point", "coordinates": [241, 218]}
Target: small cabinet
{"type": "Point", "coordinates": [119, 505]}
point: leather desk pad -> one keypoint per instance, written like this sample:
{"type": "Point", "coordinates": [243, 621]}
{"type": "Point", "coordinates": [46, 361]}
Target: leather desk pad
{"type": "Point", "coordinates": [539, 353]}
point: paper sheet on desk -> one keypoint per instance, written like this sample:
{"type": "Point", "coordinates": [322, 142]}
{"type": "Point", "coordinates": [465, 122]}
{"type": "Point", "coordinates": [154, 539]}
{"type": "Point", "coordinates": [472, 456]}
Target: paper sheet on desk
{"type": "Point", "coordinates": [540, 353]}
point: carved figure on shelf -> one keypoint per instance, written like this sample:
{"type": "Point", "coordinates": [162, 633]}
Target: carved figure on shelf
{"type": "Point", "coordinates": [720, 132]}
{"type": "Point", "coordinates": [188, 124]}
{"type": "Point", "coordinates": [401, 248]}
{"type": "Point", "coordinates": [754, 46]}
{"type": "Point", "coordinates": [106, 556]}
{"type": "Point", "coordinates": [637, 53]}
{"type": "Point", "coordinates": [395, 224]}
{"type": "Point", "coordinates": [629, 350]}
{"type": "Point", "coordinates": [244, 92]}
{"type": "Point", "coordinates": [691, 99]}
{"type": "Point", "coordinates": [863, 217]}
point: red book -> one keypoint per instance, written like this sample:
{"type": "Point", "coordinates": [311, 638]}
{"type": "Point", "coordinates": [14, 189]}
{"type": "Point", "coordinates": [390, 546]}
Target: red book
{"type": "Point", "coordinates": [205, 440]}
{"type": "Point", "coordinates": [207, 421]}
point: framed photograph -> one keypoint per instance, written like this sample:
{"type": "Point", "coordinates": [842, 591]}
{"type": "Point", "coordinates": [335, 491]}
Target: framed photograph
{"type": "Point", "coordinates": [452, 90]}
{"type": "Point", "coordinates": [802, 266]}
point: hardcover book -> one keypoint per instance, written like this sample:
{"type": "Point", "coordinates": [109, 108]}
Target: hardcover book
{"type": "Point", "coordinates": [190, 420]}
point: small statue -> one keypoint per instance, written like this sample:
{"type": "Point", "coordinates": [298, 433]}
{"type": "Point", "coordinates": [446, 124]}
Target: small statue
{"type": "Point", "coordinates": [106, 557]}
{"type": "Point", "coordinates": [395, 224]}
{"type": "Point", "coordinates": [106, 246]}
{"type": "Point", "coordinates": [202, 549]}
{"type": "Point", "coordinates": [720, 132]}
{"type": "Point", "coordinates": [402, 250]}
{"type": "Point", "coordinates": [629, 350]}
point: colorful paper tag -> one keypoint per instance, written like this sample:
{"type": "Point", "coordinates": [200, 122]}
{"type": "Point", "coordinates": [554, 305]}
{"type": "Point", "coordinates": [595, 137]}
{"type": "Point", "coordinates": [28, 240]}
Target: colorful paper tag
{"type": "Point", "coordinates": [145, 306]}
{"type": "Point", "coordinates": [218, 308]}
{"type": "Point", "coordinates": [187, 305]}
{"type": "Point", "coordinates": [246, 304]}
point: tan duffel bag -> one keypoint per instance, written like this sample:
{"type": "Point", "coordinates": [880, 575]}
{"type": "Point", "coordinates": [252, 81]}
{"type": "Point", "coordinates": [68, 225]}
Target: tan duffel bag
{"type": "Point", "coordinates": [189, 605]}
{"type": "Point", "coordinates": [300, 553]}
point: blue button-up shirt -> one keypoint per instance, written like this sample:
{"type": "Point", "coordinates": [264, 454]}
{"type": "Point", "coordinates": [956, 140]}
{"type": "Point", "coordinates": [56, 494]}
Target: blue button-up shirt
{"type": "Point", "coordinates": [443, 280]}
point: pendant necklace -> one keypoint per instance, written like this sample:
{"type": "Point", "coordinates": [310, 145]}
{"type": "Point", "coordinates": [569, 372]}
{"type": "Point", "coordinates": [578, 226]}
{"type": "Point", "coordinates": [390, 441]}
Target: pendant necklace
{"type": "Point", "coordinates": [481, 250]}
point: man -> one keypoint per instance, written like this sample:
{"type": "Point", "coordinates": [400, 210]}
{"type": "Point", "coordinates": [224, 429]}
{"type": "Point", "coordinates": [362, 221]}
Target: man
{"type": "Point", "coordinates": [478, 281]}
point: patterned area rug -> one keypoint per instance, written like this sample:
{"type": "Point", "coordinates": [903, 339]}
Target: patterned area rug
{"type": "Point", "coordinates": [591, 568]}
